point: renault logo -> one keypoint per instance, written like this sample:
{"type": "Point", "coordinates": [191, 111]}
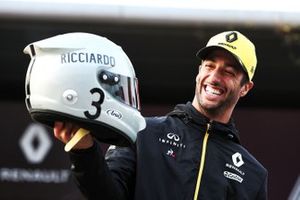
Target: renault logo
{"type": "Point", "coordinates": [231, 37]}
{"type": "Point", "coordinates": [237, 159]}
{"type": "Point", "coordinates": [35, 143]}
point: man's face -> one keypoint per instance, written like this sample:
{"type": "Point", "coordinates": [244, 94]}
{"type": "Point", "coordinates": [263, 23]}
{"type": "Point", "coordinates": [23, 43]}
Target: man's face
{"type": "Point", "coordinates": [218, 86]}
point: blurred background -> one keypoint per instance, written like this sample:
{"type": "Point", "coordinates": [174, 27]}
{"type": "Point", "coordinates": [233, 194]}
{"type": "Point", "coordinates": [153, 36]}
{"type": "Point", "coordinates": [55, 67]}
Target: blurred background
{"type": "Point", "coordinates": [161, 37]}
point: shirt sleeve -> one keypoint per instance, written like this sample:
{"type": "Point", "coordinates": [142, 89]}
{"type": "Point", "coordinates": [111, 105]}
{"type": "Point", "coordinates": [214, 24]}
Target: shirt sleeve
{"type": "Point", "coordinates": [263, 193]}
{"type": "Point", "coordinates": [104, 178]}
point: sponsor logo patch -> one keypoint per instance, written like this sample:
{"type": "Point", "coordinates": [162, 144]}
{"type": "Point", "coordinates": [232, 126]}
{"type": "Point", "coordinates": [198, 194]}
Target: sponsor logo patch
{"type": "Point", "coordinates": [114, 113]}
{"type": "Point", "coordinates": [237, 161]}
{"type": "Point", "coordinates": [231, 37]}
{"type": "Point", "coordinates": [171, 153]}
{"type": "Point", "coordinates": [233, 176]}
{"type": "Point", "coordinates": [172, 139]}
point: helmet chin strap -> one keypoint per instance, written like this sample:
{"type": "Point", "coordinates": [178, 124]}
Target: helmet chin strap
{"type": "Point", "coordinates": [76, 138]}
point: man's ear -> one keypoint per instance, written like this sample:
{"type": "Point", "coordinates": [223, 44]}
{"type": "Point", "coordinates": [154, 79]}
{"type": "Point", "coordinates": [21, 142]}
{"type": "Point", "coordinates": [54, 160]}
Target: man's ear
{"type": "Point", "coordinates": [246, 88]}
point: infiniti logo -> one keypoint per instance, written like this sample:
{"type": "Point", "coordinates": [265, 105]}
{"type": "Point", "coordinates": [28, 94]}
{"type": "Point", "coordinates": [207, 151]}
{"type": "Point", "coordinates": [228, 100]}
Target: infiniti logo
{"type": "Point", "coordinates": [173, 136]}
{"type": "Point", "coordinates": [173, 140]}
{"type": "Point", "coordinates": [114, 113]}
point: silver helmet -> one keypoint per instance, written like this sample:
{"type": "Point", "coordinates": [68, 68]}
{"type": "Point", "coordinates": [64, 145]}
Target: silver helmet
{"type": "Point", "coordinates": [85, 79]}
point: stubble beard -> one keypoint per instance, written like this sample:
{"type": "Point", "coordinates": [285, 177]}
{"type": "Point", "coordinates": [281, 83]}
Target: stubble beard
{"type": "Point", "coordinates": [218, 108]}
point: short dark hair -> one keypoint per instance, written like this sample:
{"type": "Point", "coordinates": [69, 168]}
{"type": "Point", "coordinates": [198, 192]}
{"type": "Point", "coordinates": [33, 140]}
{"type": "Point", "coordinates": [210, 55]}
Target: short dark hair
{"type": "Point", "coordinates": [245, 78]}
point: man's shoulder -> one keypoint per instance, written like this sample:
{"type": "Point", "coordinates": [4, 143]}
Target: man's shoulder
{"type": "Point", "coordinates": [158, 125]}
{"type": "Point", "coordinates": [252, 160]}
{"type": "Point", "coordinates": [156, 121]}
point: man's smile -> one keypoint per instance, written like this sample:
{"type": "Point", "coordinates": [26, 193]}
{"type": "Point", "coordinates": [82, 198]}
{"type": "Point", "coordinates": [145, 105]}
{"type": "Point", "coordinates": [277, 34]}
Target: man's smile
{"type": "Point", "coordinates": [213, 91]}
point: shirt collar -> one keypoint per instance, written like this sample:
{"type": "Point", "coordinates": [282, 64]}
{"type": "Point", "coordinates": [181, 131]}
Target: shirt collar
{"type": "Point", "coordinates": [190, 114]}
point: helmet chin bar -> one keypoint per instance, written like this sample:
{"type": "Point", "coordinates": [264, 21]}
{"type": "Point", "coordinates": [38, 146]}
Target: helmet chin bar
{"type": "Point", "coordinates": [101, 131]}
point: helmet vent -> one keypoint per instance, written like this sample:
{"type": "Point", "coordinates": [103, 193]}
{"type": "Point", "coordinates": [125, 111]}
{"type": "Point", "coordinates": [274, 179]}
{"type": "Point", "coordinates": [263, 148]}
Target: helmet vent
{"type": "Point", "coordinates": [32, 50]}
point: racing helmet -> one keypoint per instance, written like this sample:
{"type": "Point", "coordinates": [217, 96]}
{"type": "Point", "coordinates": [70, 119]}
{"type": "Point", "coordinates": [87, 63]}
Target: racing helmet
{"type": "Point", "coordinates": [84, 79]}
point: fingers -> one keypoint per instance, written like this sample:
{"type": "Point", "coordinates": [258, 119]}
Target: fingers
{"type": "Point", "coordinates": [64, 131]}
{"type": "Point", "coordinates": [57, 129]}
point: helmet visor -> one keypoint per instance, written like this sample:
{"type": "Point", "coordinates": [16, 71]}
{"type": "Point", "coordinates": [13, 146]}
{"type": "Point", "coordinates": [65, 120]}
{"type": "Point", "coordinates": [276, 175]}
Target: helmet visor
{"type": "Point", "coordinates": [122, 88]}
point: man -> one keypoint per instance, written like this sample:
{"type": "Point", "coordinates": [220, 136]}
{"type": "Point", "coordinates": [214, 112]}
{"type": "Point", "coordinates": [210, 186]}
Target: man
{"type": "Point", "coordinates": [192, 153]}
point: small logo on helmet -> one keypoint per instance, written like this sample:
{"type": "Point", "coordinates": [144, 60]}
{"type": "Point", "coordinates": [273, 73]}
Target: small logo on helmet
{"type": "Point", "coordinates": [114, 113]}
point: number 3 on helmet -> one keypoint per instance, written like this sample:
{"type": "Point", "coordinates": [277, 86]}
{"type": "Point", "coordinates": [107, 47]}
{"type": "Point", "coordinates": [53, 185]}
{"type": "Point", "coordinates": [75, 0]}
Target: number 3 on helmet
{"type": "Point", "coordinates": [85, 79]}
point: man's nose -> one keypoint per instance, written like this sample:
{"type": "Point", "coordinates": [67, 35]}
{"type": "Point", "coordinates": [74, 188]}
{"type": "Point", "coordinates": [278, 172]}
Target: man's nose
{"type": "Point", "coordinates": [216, 75]}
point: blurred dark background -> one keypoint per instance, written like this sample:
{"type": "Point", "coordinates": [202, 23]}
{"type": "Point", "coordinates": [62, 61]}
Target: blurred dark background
{"type": "Point", "coordinates": [164, 59]}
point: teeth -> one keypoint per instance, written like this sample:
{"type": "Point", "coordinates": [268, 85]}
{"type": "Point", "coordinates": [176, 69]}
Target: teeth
{"type": "Point", "coordinates": [212, 90]}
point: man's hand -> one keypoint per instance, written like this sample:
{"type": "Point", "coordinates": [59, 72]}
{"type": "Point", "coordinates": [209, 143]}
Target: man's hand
{"type": "Point", "coordinates": [65, 131]}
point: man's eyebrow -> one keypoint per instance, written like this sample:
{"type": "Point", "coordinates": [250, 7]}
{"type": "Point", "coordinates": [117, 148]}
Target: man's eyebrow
{"type": "Point", "coordinates": [236, 66]}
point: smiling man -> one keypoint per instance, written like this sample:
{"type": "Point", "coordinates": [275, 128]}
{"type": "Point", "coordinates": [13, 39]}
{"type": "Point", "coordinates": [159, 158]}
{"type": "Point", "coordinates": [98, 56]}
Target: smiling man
{"type": "Point", "coordinates": [220, 83]}
{"type": "Point", "coordinates": [224, 76]}
{"type": "Point", "coordinates": [192, 153]}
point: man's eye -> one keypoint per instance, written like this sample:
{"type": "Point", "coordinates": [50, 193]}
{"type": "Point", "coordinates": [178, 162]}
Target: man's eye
{"type": "Point", "coordinates": [208, 66]}
{"type": "Point", "coordinates": [231, 73]}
